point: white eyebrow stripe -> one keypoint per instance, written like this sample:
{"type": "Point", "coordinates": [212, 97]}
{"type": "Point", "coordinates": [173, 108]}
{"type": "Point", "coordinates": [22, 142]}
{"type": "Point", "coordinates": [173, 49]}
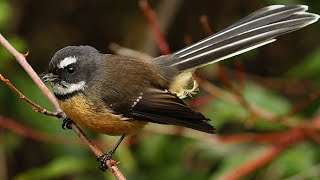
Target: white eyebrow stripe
{"type": "Point", "coordinates": [60, 90]}
{"type": "Point", "coordinates": [67, 61]}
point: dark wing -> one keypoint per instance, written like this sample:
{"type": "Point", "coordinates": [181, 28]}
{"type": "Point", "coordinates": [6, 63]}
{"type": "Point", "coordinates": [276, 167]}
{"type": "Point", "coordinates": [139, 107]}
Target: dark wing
{"type": "Point", "coordinates": [139, 94]}
{"type": "Point", "coordinates": [160, 106]}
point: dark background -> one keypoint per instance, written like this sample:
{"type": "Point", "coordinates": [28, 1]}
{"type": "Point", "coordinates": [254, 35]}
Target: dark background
{"type": "Point", "coordinates": [278, 75]}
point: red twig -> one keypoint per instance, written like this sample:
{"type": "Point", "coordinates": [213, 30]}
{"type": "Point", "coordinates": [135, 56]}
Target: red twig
{"type": "Point", "coordinates": [240, 73]}
{"type": "Point", "coordinates": [123, 51]}
{"type": "Point", "coordinates": [205, 25]}
{"type": "Point", "coordinates": [223, 76]}
{"type": "Point", "coordinates": [23, 62]}
{"type": "Point", "coordinates": [30, 133]}
{"type": "Point", "coordinates": [299, 106]}
{"type": "Point", "coordinates": [148, 12]}
{"type": "Point", "coordinates": [295, 136]}
{"type": "Point", "coordinates": [27, 132]}
{"type": "Point", "coordinates": [252, 137]}
{"type": "Point", "coordinates": [208, 30]}
{"type": "Point", "coordinates": [200, 101]}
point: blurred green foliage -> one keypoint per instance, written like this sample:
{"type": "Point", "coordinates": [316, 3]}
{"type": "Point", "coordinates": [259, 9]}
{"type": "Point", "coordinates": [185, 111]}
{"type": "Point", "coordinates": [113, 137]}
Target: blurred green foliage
{"type": "Point", "coordinates": [308, 68]}
{"type": "Point", "coordinates": [155, 156]}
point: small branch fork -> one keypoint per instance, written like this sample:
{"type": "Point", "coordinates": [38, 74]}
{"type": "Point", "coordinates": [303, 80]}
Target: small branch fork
{"type": "Point", "coordinates": [21, 58]}
{"type": "Point", "coordinates": [35, 106]}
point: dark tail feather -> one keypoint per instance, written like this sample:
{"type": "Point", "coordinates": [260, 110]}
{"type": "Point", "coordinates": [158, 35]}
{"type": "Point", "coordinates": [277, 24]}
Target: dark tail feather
{"type": "Point", "coordinates": [257, 29]}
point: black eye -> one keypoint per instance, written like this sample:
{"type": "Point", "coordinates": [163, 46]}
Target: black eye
{"type": "Point", "coordinates": [70, 70]}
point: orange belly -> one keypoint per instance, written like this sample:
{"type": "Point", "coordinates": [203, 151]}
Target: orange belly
{"type": "Point", "coordinates": [82, 112]}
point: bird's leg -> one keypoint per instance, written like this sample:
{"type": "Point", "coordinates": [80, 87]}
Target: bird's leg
{"type": "Point", "coordinates": [103, 158]}
{"type": "Point", "coordinates": [66, 123]}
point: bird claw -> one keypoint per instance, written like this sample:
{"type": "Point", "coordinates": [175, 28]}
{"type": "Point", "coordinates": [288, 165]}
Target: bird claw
{"type": "Point", "coordinates": [103, 159]}
{"type": "Point", "coordinates": [66, 123]}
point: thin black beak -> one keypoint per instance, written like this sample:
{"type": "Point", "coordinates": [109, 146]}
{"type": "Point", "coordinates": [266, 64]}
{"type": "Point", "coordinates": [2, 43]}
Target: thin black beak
{"type": "Point", "coordinates": [49, 77]}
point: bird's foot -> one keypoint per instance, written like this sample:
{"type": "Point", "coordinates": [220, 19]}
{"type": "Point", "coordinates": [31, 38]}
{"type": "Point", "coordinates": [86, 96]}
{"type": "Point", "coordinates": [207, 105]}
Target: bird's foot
{"type": "Point", "coordinates": [66, 123]}
{"type": "Point", "coordinates": [103, 159]}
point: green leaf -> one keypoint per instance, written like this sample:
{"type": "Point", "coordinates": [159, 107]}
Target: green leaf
{"type": "Point", "coordinates": [296, 159]}
{"type": "Point", "coordinates": [307, 68]}
{"type": "Point", "coordinates": [256, 95]}
{"type": "Point", "coordinates": [10, 141]}
{"type": "Point", "coordinates": [264, 99]}
{"type": "Point", "coordinates": [222, 112]}
{"type": "Point", "coordinates": [5, 10]}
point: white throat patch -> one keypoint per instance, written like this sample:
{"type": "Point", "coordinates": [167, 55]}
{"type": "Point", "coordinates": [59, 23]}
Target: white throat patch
{"type": "Point", "coordinates": [67, 88]}
{"type": "Point", "coordinates": [67, 61]}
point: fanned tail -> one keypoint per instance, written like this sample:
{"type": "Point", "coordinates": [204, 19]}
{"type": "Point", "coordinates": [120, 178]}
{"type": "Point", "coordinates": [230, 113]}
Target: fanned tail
{"type": "Point", "coordinates": [257, 29]}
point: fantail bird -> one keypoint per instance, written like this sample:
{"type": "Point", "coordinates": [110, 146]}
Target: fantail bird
{"type": "Point", "coordinates": [117, 95]}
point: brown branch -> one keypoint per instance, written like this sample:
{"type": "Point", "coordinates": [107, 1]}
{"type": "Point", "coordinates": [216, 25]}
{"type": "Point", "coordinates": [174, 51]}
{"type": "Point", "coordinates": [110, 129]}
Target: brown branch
{"type": "Point", "coordinates": [148, 12]}
{"type": "Point", "coordinates": [35, 106]}
{"type": "Point", "coordinates": [21, 58]}
{"type": "Point", "coordinates": [112, 165]}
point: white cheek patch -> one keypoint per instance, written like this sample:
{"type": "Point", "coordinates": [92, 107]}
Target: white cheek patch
{"type": "Point", "coordinates": [67, 61]}
{"type": "Point", "coordinates": [68, 88]}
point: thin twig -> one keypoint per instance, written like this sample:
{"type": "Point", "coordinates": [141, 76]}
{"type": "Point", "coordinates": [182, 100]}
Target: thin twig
{"type": "Point", "coordinates": [257, 138]}
{"type": "Point", "coordinates": [148, 12]}
{"type": "Point", "coordinates": [35, 106]}
{"type": "Point", "coordinates": [23, 62]}
{"type": "Point", "coordinates": [300, 105]}
{"type": "Point", "coordinates": [30, 133]}
{"type": "Point", "coordinates": [226, 81]}
{"type": "Point", "coordinates": [295, 136]}
{"type": "Point", "coordinates": [123, 51]}
{"type": "Point", "coordinates": [240, 73]}
{"type": "Point", "coordinates": [205, 25]}
{"type": "Point", "coordinates": [21, 58]}
{"type": "Point", "coordinates": [221, 72]}
{"type": "Point", "coordinates": [200, 101]}
{"type": "Point", "coordinates": [236, 99]}
{"type": "Point", "coordinates": [26, 132]}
